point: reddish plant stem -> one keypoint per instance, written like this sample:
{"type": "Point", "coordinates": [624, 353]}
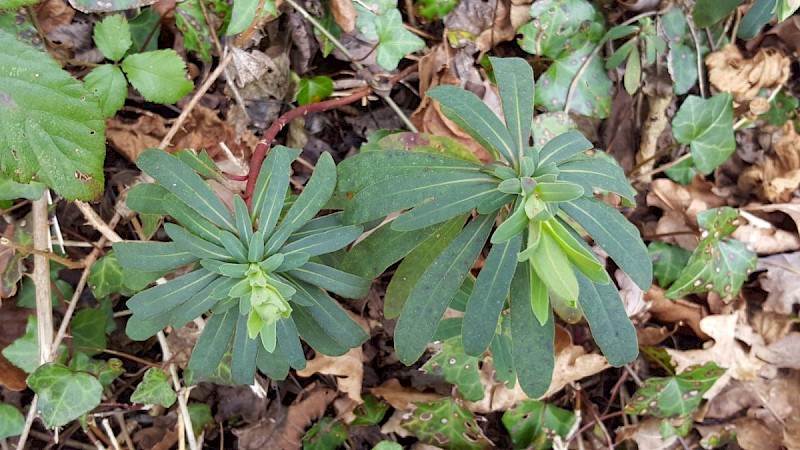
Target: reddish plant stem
{"type": "Point", "coordinates": [234, 177]}
{"type": "Point", "coordinates": [265, 143]}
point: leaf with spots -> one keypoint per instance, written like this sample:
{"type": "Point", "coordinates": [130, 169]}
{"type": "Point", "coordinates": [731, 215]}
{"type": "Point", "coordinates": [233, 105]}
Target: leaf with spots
{"type": "Point", "coordinates": [560, 26]}
{"type": "Point", "coordinates": [445, 423]}
{"type": "Point", "coordinates": [534, 424]}
{"type": "Point", "coordinates": [53, 128]}
{"type": "Point", "coordinates": [326, 434]}
{"type": "Point", "coordinates": [718, 264]}
{"type": "Point", "coordinates": [677, 397]}
{"type": "Point", "coordinates": [681, 58]}
{"type": "Point", "coordinates": [103, 6]}
{"type": "Point", "coordinates": [457, 368]}
{"type": "Point", "coordinates": [592, 94]}
{"type": "Point", "coordinates": [196, 31]}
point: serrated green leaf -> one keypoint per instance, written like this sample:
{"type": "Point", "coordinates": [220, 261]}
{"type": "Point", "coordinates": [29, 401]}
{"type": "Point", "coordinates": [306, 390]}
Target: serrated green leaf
{"type": "Point", "coordinates": [706, 126]}
{"type": "Point", "coordinates": [152, 256]}
{"type": "Point", "coordinates": [446, 423]}
{"type": "Point", "coordinates": [113, 36]}
{"type": "Point", "coordinates": [109, 85]}
{"type": "Point", "coordinates": [515, 85]}
{"type": "Point", "coordinates": [160, 75]}
{"type": "Point", "coordinates": [181, 180]}
{"type": "Point", "coordinates": [435, 289]}
{"type": "Point", "coordinates": [668, 261]}
{"type": "Point", "coordinates": [592, 93]}
{"type": "Point", "coordinates": [612, 329]}
{"type": "Point", "coordinates": [415, 264]}
{"type": "Point", "coordinates": [63, 394]}
{"type": "Point", "coordinates": [11, 421]}
{"type": "Point", "coordinates": [53, 128]}
{"type": "Point", "coordinates": [474, 117]}
{"type": "Point", "coordinates": [618, 237]}
{"type": "Point", "coordinates": [532, 344]}
{"type": "Point", "coordinates": [154, 389]}
{"type": "Point", "coordinates": [165, 297]}
{"type": "Point", "coordinates": [213, 342]}
{"type": "Point", "coordinates": [394, 41]}
{"type": "Point", "coordinates": [313, 90]}
{"type": "Point", "coordinates": [488, 296]}
{"type": "Point", "coordinates": [457, 368]}
{"type": "Point", "coordinates": [533, 424]}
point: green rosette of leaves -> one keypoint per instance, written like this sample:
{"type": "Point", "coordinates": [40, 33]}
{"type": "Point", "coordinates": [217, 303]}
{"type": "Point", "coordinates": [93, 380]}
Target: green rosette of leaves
{"type": "Point", "coordinates": [258, 271]}
{"type": "Point", "coordinates": [542, 200]}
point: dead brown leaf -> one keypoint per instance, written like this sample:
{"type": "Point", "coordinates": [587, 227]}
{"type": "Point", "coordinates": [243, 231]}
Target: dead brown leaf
{"type": "Point", "coordinates": [400, 397]}
{"type": "Point", "coordinates": [14, 320]}
{"type": "Point", "coordinates": [202, 130]}
{"type": "Point", "coordinates": [344, 13]}
{"type": "Point", "coordinates": [348, 370]}
{"type": "Point", "coordinates": [676, 311]}
{"type": "Point", "coordinates": [783, 352]}
{"type": "Point", "coordinates": [646, 434]}
{"type": "Point", "coordinates": [309, 406]}
{"type": "Point", "coordinates": [780, 281]}
{"type": "Point", "coordinates": [729, 71]}
{"type": "Point", "coordinates": [681, 204]}
{"type": "Point", "coordinates": [53, 13]}
{"type": "Point", "coordinates": [751, 434]}
{"type": "Point", "coordinates": [777, 177]}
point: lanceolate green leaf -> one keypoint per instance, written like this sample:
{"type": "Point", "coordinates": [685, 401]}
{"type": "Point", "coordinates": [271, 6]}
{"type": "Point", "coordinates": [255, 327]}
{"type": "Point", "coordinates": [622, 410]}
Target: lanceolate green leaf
{"type": "Point", "coordinates": [140, 329]}
{"type": "Point", "coordinates": [317, 192]}
{"type": "Point", "coordinates": [515, 83]}
{"type": "Point", "coordinates": [554, 269]}
{"type": "Point", "coordinates": [429, 298]}
{"type": "Point", "coordinates": [415, 264]}
{"type": "Point", "coordinates": [290, 345]}
{"type": "Point", "coordinates": [443, 208]}
{"type": "Point", "coordinates": [191, 219]}
{"type": "Point", "coordinates": [167, 296]}
{"type": "Point", "coordinates": [532, 344]}
{"type": "Point", "coordinates": [333, 280]}
{"type": "Point", "coordinates": [53, 128]}
{"type": "Point", "coordinates": [243, 224]}
{"type": "Point", "coordinates": [380, 199]}
{"type": "Point", "coordinates": [706, 125]}
{"type": "Point", "coordinates": [582, 258]}
{"type": "Point", "coordinates": [270, 190]}
{"type": "Point", "coordinates": [213, 342]}
{"type": "Point", "coordinates": [474, 117]}
{"type": "Point", "coordinates": [331, 317]}
{"type": "Point", "coordinates": [357, 172]}
{"type": "Point", "coordinates": [592, 172]}
{"type": "Point", "coordinates": [152, 256]}
{"type": "Point", "coordinates": [198, 304]}
{"type": "Point", "coordinates": [562, 147]}
{"type": "Point", "coordinates": [610, 325]}
{"type": "Point", "coordinates": [324, 242]}
{"type": "Point", "coordinates": [618, 237]}
{"type": "Point", "coordinates": [194, 245]}
{"type": "Point", "coordinates": [314, 335]}
{"type": "Point", "coordinates": [755, 19]}
{"type": "Point", "coordinates": [147, 198]}
{"type": "Point", "coordinates": [182, 181]}
{"type": "Point", "coordinates": [244, 351]}
{"type": "Point", "coordinates": [488, 296]}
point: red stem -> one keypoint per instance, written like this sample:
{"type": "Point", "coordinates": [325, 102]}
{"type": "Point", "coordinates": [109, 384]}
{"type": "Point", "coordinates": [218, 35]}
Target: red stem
{"type": "Point", "coordinates": [265, 143]}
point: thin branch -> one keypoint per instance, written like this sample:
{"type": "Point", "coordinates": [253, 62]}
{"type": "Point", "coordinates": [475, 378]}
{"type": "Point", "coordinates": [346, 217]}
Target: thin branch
{"type": "Point", "coordinates": [182, 407]}
{"type": "Point", "coordinates": [68, 263]}
{"type": "Point", "coordinates": [96, 222]}
{"type": "Point", "coordinates": [41, 278]}
{"type": "Point", "coordinates": [700, 78]}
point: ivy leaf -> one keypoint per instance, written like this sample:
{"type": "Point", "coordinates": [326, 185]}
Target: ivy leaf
{"type": "Point", "coordinates": [24, 351]}
{"type": "Point", "coordinates": [717, 264]}
{"type": "Point", "coordinates": [325, 434]}
{"type": "Point", "coordinates": [154, 389]}
{"type": "Point", "coordinates": [109, 85]}
{"type": "Point", "coordinates": [592, 95]}
{"type": "Point", "coordinates": [314, 89]}
{"type": "Point", "coordinates": [244, 11]}
{"type": "Point", "coordinates": [53, 128]}
{"type": "Point", "coordinates": [105, 277]}
{"type": "Point", "coordinates": [196, 31]}
{"type": "Point", "coordinates": [532, 424]}
{"type": "Point", "coordinates": [89, 330]}
{"type": "Point", "coordinates": [371, 412]}
{"type": "Point", "coordinates": [457, 368]}
{"type": "Point", "coordinates": [560, 26]}
{"type": "Point", "coordinates": [11, 421]}
{"type": "Point", "coordinates": [676, 397]}
{"type": "Point", "coordinates": [445, 421]}
{"type": "Point", "coordinates": [159, 75]}
{"type": "Point", "coordinates": [368, 11]}
{"type": "Point", "coordinates": [395, 42]}
{"type": "Point", "coordinates": [64, 395]}
{"type": "Point", "coordinates": [668, 261]}
{"type": "Point", "coordinates": [706, 126]}
{"type": "Point", "coordinates": [683, 172]}
{"type": "Point", "coordinates": [113, 37]}
{"type": "Point", "coordinates": [434, 9]}
{"type": "Point", "coordinates": [781, 109]}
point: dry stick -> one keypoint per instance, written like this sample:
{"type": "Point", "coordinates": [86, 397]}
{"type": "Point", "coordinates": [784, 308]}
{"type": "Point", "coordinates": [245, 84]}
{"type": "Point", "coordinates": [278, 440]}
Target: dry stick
{"type": "Point", "coordinates": [187, 421]}
{"type": "Point", "coordinates": [193, 102]}
{"type": "Point", "coordinates": [263, 146]}
{"type": "Point", "coordinates": [700, 79]}
{"type": "Point", "coordinates": [96, 222]}
{"type": "Point", "coordinates": [69, 264]}
{"type": "Point", "coordinates": [596, 50]}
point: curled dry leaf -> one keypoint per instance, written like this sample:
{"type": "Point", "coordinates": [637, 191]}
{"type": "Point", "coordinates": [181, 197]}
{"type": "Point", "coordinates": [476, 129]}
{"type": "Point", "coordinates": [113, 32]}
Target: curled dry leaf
{"type": "Point", "coordinates": [780, 282]}
{"type": "Point", "coordinates": [681, 205]}
{"type": "Point", "coordinates": [783, 352]}
{"type": "Point", "coordinates": [344, 13]}
{"type": "Point", "coordinates": [348, 370]}
{"type": "Point", "coordinates": [647, 435]}
{"type": "Point", "coordinates": [776, 178]}
{"type": "Point", "coordinates": [309, 406]}
{"type": "Point", "coordinates": [401, 397]}
{"type": "Point", "coordinates": [729, 71]}
{"type": "Point", "coordinates": [676, 311]}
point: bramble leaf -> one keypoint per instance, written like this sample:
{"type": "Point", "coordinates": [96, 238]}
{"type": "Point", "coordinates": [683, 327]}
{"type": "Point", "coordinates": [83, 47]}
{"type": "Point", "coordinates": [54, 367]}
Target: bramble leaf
{"type": "Point", "coordinates": [159, 75]}
{"type": "Point", "coordinates": [113, 36]}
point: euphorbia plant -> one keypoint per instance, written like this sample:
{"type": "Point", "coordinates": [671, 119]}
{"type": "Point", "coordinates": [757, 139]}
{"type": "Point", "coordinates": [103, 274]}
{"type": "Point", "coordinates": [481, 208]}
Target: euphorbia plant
{"type": "Point", "coordinates": [543, 199]}
{"type": "Point", "coordinates": [257, 271]}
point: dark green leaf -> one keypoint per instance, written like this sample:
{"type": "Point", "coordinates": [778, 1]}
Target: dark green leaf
{"type": "Point", "coordinates": [182, 181]}
{"type": "Point", "coordinates": [88, 329]}
{"type": "Point", "coordinates": [106, 277]}
{"type": "Point", "coordinates": [314, 335]}
{"type": "Point", "coordinates": [533, 424]}
{"type": "Point", "coordinates": [394, 41]}
{"type": "Point", "coordinates": [53, 127]}
{"type": "Point", "coordinates": [442, 208]}
{"type": "Point", "coordinates": [324, 242]}
{"type": "Point", "coordinates": [147, 198]}
{"type": "Point", "coordinates": [242, 216]}
{"type": "Point", "coordinates": [11, 421]}
{"type": "Point", "coordinates": [244, 13]}
{"type": "Point", "coordinates": [706, 126]}
{"type": "Point", "coordinates": [165, 297]}
{"type": "Point", "coordinates": [608, 320]}
{"type": "Point", "coordinates": [333, 280]}
{"type": "Point", "coordinates": [152, 256]}
{"type": "Point", "coordinates": [140, 329]}
{"type": "Point", "coordinates": [201, 302]}
{"type": "Point", "coordinates": [198, 247]}
{"type": "Point", "coordinates": [63, 394]}
{"type": "Point", "coordinates": [289, 344]}
{"type": "Point", "coordinates": [213, 342]}
{"type": "Point", "coordinates": [243, 360]}
{"type": "Point", "coordinates": [313, 90]}
{"type": "Point", "coordinates": [709, 12]}
{"type": "Point", "coordinates": [445, 420]}
{"type": "Point", "coordinates": [674, 397]}
{"type": "Point", "coordinates": [562, 147]}
{"type": "Point", "coordinates": [271, 186]}
{"type": "Point", "coordinates": [273, 364]}
{"type": "Point", "coordinates": [428, 300]}
{"type": "Point", "coordinates": [592, 172]}
{"type": "Point", "coordinates": [191, 219]}
{"type": "Point", "coordinates": [457, 368]}
{"type": "Point", "coordinates": [515, 84]}
{"type": "Point", "coordinates": [233, 247]}
{"type": "Point", "coordinates": [668, 261]}
{"type": "Point", "coordinates": [618, 237]}
{"type": "Point", "coordinates": [489, 295]}
{"type": "Point", "coordinates": [755, 19]}
{"type": "Point", "coordinates": [326, 434]}
{"type": "Point", "coordinates": [331, 317]}
{"type": "Point", "coordinates": [561, 26]}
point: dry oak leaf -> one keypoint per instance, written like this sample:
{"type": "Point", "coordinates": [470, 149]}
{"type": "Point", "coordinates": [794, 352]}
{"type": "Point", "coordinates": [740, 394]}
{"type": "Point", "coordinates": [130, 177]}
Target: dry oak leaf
{"type": "Point", "coordinates": [681, 205]}
{"type": "Point", "coordinates": [776, 178]}
{"type": "Point", "coordinates": [729, 71]}
{"type": "Point", "coordinates": [780, 282]}
{"type": "Point", "coordinates": [783, 352]}
{"type": "Point", "coordinates": [726, 351]}
{"type": "Point", "coordinates": [348, 370]}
